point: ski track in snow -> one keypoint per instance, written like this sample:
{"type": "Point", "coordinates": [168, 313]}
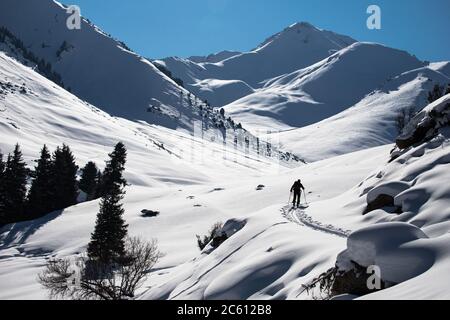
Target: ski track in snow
{"type": "Point", "coordinates": [299, 216]}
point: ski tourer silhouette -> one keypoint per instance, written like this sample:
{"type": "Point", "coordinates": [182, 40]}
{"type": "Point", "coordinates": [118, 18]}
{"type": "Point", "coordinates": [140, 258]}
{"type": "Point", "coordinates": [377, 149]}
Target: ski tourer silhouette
{"type": "Point", "coordinates": [297, 188]}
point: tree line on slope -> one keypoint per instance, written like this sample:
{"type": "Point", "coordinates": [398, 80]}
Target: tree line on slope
{"type": "Point", "coordinates": [168, 73]}
{"type": "Point", "coordinates": [43, 67]}
{"type": "Point", "coordinates": [54, 185]}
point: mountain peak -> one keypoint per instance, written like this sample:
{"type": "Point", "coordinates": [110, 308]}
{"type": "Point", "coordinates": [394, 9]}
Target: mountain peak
{"type": "Point", "coordinates": [301, 25]}
{"type": "Point", "coordinates": [304, 34]}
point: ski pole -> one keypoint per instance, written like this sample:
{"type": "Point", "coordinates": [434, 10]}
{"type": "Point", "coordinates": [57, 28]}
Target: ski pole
{"type": "Point", "coordinates": [290, 195]}
{"type": "Point", "coordinates": [304, 193]}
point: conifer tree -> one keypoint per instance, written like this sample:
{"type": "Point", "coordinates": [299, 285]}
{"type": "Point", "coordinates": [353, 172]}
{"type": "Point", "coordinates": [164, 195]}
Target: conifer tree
{"type": "Point", "coordinates": [108, 240]}
{"type": "Point", "coordinates": [88, 182]}
{"type": "Point", "coordinates": [14, 184]}
{"type": "Point", "coordinates": [64, 178]}
{"type": "Point", "coordinates": [40, 196]}
{"type": "Point", "coordinates": [99, 190]}
{"type": "Point", "coordinates": [2, 164]}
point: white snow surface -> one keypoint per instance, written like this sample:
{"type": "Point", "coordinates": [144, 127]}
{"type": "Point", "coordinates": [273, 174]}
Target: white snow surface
{"type": "Point", "coordinates": [272, 251]}
{"type": "Point", "coordinates": [268, 256]}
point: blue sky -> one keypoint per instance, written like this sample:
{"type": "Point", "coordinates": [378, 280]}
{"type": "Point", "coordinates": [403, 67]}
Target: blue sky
{"type": "Point", "coordinates": [160, 28]}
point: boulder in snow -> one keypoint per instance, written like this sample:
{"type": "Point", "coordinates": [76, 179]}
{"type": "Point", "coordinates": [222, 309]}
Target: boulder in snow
{"type": "Point", "coordinates": [384, 195]}
{"type": "Point", "coordinates": [386, 245]}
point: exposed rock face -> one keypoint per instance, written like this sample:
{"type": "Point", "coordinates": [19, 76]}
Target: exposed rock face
{"type": "Point", "coordinates": [424, 130]}
{"type": "Point", "coordinates": [384, 195]}
{"type": "Point", "coordinates": [426, 124]}
{"type": "Point", "coordinates": [354, 282]}
{"type": "Point", "coordinates": [383, 200]}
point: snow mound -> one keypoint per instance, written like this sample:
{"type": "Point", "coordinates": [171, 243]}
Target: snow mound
{"type": "Point", "coordinates": [393, 247]}
{"type": "Point", "coordinates": [391, 188]}
{"type": "Point", "coordinates": [366, 244]}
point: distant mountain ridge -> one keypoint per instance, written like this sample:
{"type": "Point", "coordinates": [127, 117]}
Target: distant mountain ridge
{"type": "Point", "coordinates": [296, 47]}
{"type": "Point", "coordinates": [214, 57]}
{"type": "Point", "coordinates": [312, 94]}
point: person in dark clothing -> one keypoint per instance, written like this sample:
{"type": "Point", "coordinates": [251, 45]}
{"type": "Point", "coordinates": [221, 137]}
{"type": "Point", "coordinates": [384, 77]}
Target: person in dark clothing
{"type": "Point", "coordinates": [297, 189]}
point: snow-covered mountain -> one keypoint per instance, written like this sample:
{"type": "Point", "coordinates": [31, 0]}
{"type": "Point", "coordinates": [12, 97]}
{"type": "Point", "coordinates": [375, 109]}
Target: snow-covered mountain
{"type": "Point", "coordinates": [101, 70]}
{"type": "Point", "coordinates": [296, 47]}
{"type": "Point", "coordinates": [96, 67]}
{"type": "Point", "coordinates": [322, 90]}
{"type": "Point", "coordinates": [35, 111]}
{"type": "Point", "coordinates": [355, 85]}
{"type": "Point", "coordinates": [371, 122]}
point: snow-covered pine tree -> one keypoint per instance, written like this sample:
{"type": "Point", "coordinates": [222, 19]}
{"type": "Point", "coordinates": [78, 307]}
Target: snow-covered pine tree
{"type": "Point", "coordinates": [64, 178]}
{"type": "Point", "coordinates": [108, 240]}
{"type": "Point", "coordinates": [40, 196]}
{"type": "Point", "coordinates": [14, 186]}
{"type": "Point", "coordinates": [88, 182]}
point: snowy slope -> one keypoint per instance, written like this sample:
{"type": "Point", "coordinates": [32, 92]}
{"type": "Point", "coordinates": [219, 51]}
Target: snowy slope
{"type": "Point", "coordinates": [94, 66]}
{"type": "Point", "coordinates": [370, 122]}
{"type": "Point", "coordinates": [410, 243]}
{"type": "Point", "coordinates": [443, 67]}
{"type": "Point", "coordinates": [225, 91]}
{"type": "Point", "coordinates": [161, 164]}
{"type": "Point", "coordinates": [273, 251]}
{"type": "Point", "coordinates": [296, 47]}
{"type": "Point", "coordinates": [28, 244]}
{"type": "Point", "coordinates": [322, 90]}
{"type": "Point", "coordinates": [215, 57]}
{"type": "Point", "coordinates": [35, 111]}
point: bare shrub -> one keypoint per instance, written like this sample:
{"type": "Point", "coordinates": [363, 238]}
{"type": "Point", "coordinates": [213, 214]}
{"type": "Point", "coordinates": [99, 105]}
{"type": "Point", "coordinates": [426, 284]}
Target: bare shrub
{"type": "Point", "coordinates": [86, 279]}
{"type": "Point", "coordinates": [213, 233]}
